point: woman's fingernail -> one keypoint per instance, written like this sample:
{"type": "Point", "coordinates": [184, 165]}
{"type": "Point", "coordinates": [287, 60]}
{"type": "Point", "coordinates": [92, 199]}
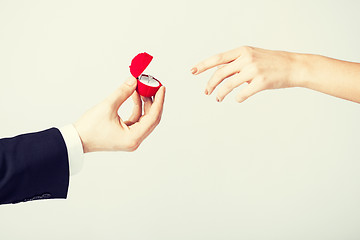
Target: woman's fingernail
{"type": "Point", "coordinates": [130, 81]}
{"type": "Point", "coordinates": [194, 70]}
{"type": "Point", "coordinates": [218, 99]}
{"type": "Point", "coordinates": [206, 92]}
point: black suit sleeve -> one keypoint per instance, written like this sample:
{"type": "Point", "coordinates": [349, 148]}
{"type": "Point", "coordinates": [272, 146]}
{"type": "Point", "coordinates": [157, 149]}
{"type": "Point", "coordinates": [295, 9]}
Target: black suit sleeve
{"type": "Point", "coordinates": [33, 166]}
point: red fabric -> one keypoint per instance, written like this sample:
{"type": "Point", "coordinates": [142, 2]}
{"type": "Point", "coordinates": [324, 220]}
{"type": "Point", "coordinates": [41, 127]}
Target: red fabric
{"type": "Point", "coordinates": [145, 90]}
{"type": "Point", "coordinates": [140, 63]}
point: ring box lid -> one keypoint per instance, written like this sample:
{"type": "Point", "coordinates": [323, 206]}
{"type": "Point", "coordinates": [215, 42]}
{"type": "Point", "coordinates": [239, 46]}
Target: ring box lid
{"type": "Point", "coordinates": [139, 63]}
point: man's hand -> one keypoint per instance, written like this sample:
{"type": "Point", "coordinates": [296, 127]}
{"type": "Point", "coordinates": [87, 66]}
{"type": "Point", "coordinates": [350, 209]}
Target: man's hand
{"type": "Point", "coordinates": [102, 129]}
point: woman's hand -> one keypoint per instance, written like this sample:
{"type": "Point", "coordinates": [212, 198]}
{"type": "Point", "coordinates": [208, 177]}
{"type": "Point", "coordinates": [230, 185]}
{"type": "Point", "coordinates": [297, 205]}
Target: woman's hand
{"type": "Point", "coordinates": [261, 69]}
{"type": "Point", "coordinates": [265, 69]}
{"type": "Point", "coordinates": [102, 129]}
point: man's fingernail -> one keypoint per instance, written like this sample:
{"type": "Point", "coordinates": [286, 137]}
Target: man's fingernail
{"type": "Point", "coordinates": [194, 70]}
{"type": "Point", "coordinates": [130, 81]}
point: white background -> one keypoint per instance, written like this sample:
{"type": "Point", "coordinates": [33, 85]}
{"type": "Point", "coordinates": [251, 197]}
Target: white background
{"type": "Point", "coordinates": [282, 165]}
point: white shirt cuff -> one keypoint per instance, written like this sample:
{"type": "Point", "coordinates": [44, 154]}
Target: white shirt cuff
{"type": "Point", "coordinates": [74, 148]}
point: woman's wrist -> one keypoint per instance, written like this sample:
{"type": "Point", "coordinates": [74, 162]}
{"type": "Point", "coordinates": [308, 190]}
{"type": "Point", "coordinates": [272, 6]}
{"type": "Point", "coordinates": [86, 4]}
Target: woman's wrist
{"type": "Point", "coordinates": [300, 69]}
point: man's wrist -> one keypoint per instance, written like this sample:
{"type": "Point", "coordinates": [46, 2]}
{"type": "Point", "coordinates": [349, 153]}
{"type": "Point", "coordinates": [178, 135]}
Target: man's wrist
{"type": "Point", "coordinates": [82, 138]}
{"type": "Point", "coordinates": [74, 148]}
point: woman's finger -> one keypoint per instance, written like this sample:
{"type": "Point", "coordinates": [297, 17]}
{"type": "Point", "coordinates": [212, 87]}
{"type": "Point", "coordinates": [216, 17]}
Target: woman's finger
{"type": "Point", "coordinates": [216, 60]}
{"type": "Point", "coordinates": [232, 83]}
{"type": "Point", "coordinates": [222, 73]}
{"type": "Point", "coordinates": [254, 87]}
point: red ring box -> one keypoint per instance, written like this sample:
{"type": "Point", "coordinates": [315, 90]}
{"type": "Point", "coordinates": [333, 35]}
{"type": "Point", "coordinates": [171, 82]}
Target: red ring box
{"type": "Point", "coordinates": [147, 85]}
{"type": "Point", "coordinates": [145, 89]}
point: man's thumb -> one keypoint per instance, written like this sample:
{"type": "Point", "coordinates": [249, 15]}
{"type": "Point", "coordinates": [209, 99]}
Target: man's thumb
{"type": "Point", "coordinates": [123, 92]}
